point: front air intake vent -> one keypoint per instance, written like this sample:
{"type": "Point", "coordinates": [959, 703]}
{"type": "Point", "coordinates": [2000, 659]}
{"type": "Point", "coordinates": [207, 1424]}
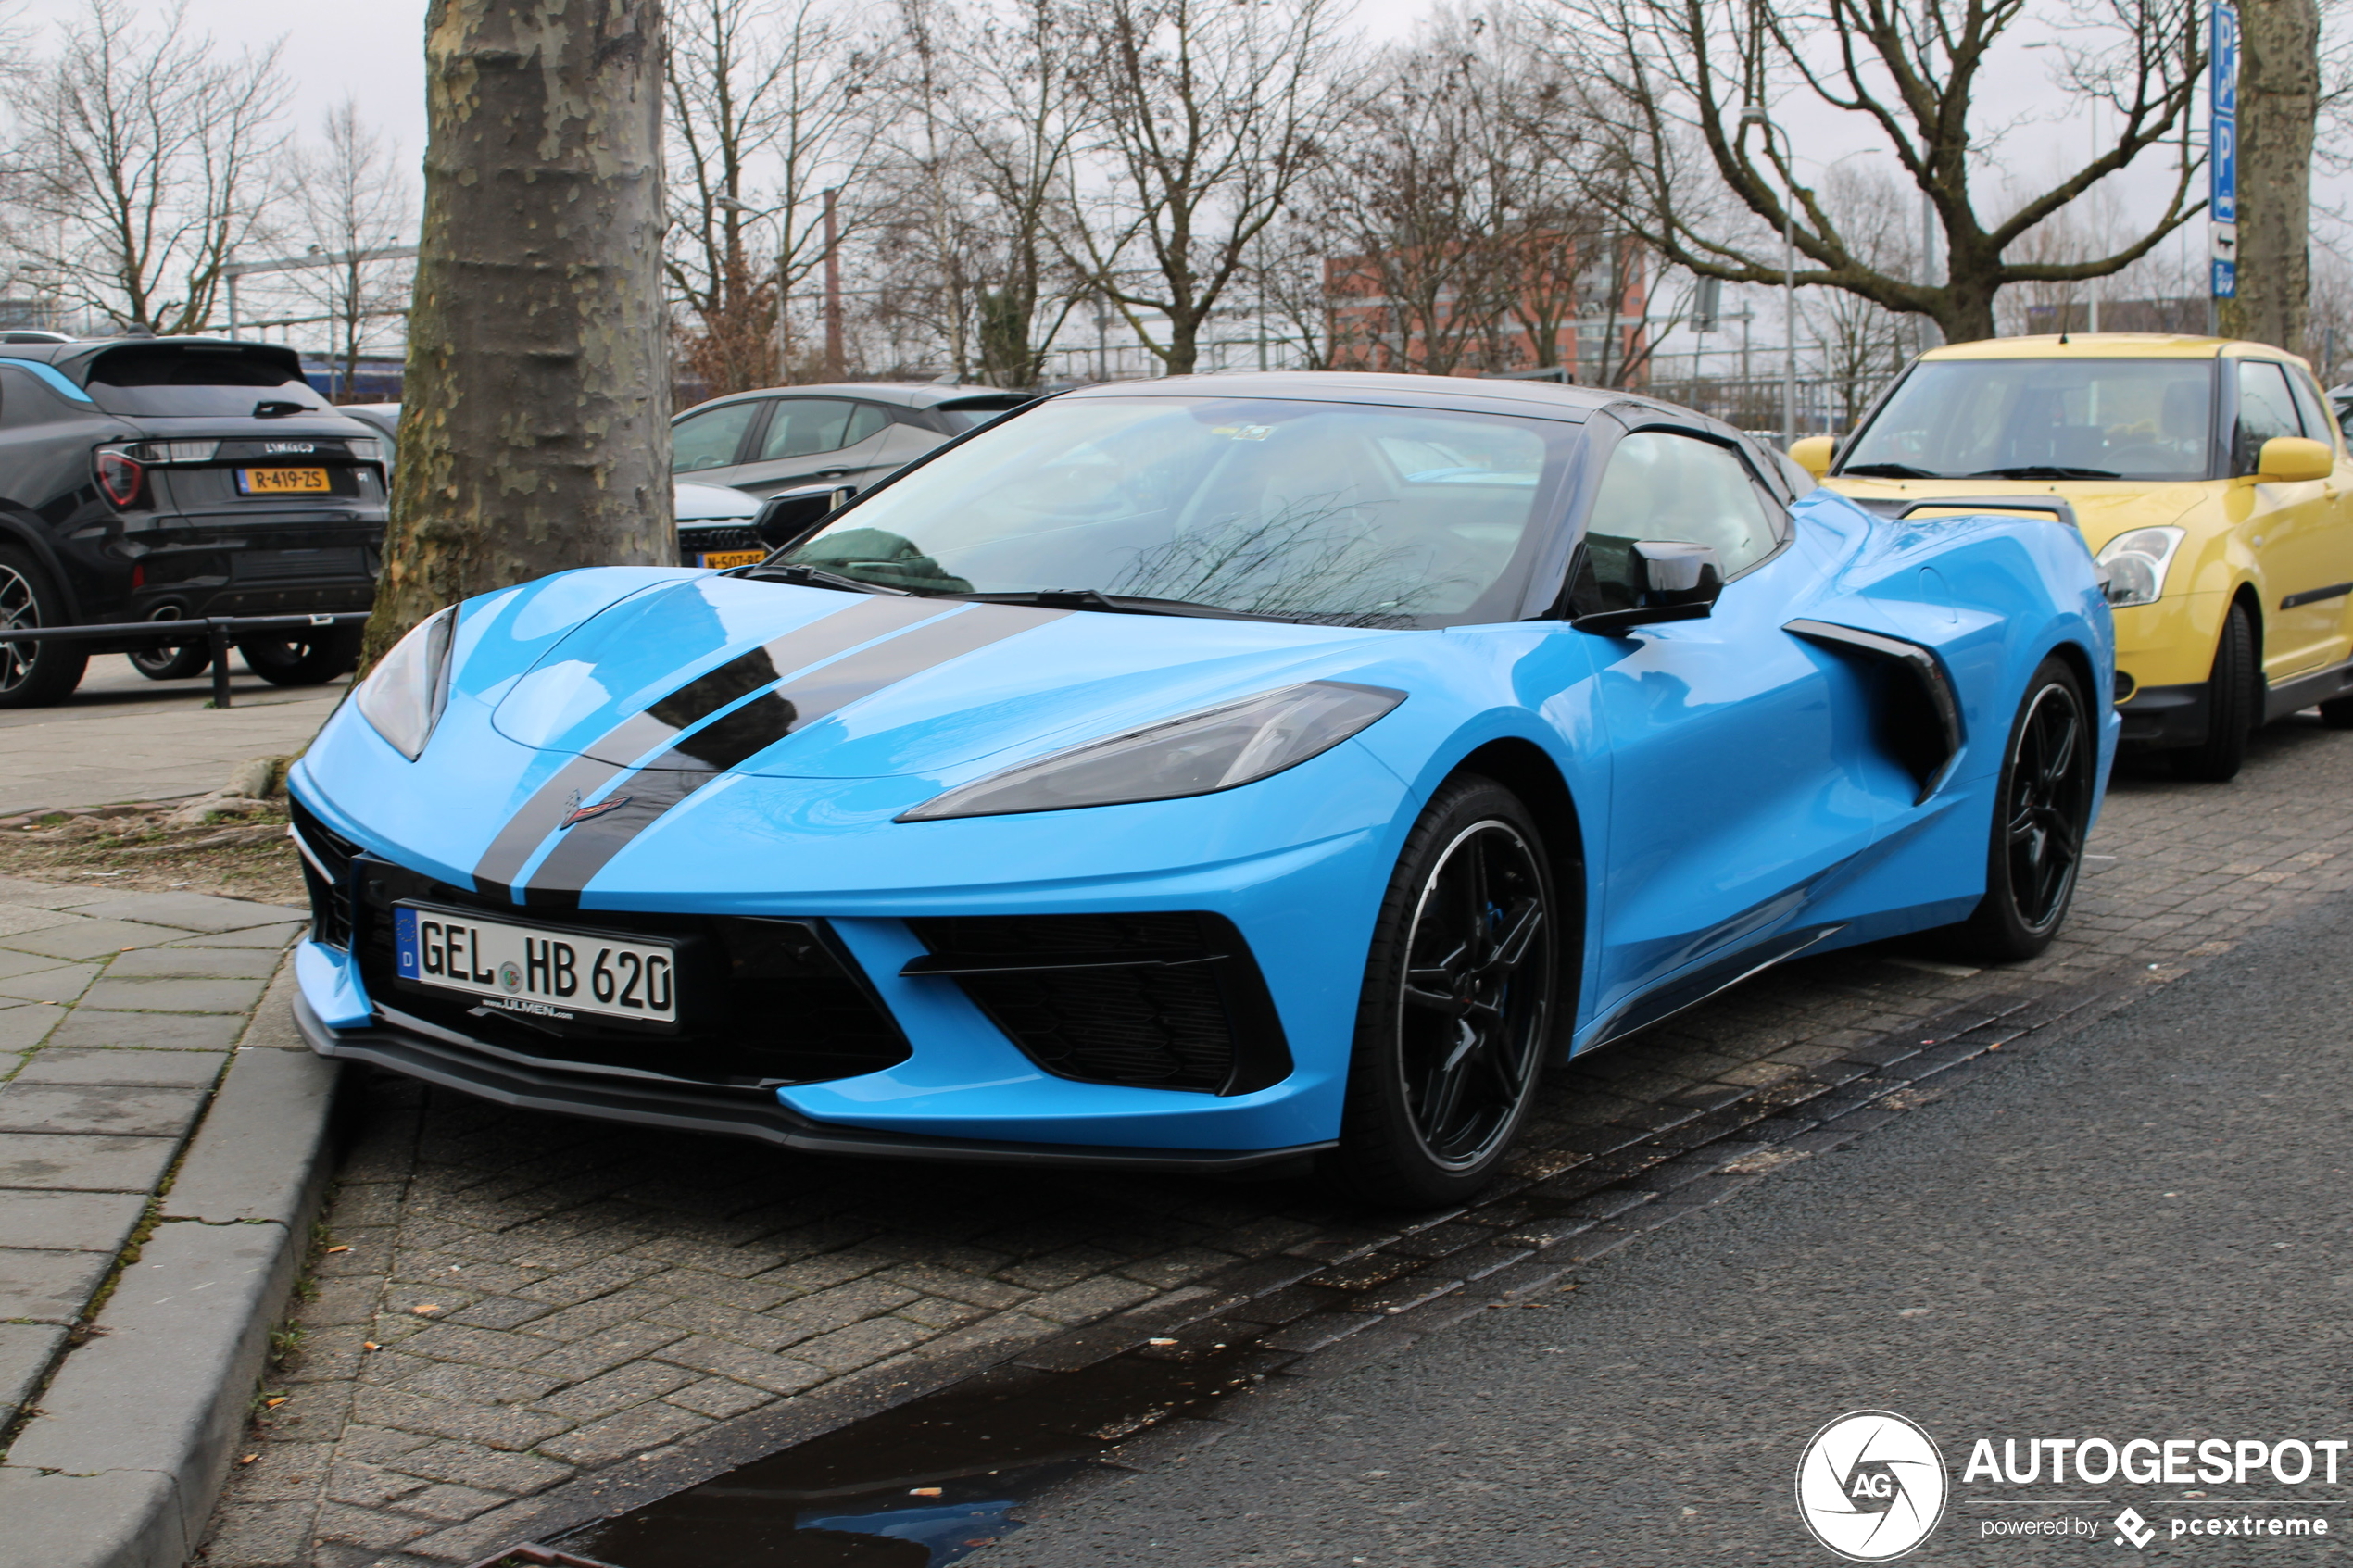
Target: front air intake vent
{"type": "Point", "coordinates": [1166, 1001]}
{"type": "Point", "coordinates": [326, 872]}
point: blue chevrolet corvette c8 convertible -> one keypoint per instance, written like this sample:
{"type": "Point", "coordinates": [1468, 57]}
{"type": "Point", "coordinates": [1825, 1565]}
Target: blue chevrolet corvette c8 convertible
{"type": "Point", "coordinates": [1200, 772]}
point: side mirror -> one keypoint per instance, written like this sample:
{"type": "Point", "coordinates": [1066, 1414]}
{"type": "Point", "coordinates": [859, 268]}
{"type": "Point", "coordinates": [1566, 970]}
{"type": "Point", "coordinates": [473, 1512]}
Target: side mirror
{"type": "Point", "coordinates": [1675, 582]}
{"type": "Point", "coordinates": [1814, 453]}
{"type": "Point", "coordinates": [790, 516]}
{"type": "Point", "coordinates": [2289, 459]}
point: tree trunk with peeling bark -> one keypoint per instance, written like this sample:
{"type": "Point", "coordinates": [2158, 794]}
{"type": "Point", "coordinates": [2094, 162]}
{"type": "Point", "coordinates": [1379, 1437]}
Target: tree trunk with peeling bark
{"type": "Point", "coordinates": [2279, 99]}
{"type": "Point", "coordinates": [535, 431]}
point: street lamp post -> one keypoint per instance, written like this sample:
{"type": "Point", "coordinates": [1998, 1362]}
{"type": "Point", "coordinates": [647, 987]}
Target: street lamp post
{"type": "Point", "coordinates": [1753, 114]}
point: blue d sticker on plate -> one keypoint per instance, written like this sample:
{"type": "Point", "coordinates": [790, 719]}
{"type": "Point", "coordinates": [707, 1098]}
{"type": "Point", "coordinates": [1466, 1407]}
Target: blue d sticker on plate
{"type": "Point", "coordinates": [404, 941]}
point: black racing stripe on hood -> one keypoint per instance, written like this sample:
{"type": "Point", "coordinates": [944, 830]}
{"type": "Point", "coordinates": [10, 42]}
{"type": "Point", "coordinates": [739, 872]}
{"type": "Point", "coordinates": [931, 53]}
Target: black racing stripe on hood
{"type": "Point", "coordinates": [753, 728]}
{"type": "Point", "coordinates": [610, 753]}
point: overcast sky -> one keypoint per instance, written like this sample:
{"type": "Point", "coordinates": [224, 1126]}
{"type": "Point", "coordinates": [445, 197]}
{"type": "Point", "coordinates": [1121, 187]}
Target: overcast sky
{"type": "Point", "coordinates": [372, 51]}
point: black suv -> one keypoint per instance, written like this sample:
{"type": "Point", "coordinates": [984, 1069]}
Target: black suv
{"type": "Point", "coordinates": [159, 478]}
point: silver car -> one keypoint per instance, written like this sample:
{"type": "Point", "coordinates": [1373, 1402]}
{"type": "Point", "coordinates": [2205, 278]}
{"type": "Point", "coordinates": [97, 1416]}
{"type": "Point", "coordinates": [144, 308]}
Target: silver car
{"type": "Point", "coordinates": [854, 434]}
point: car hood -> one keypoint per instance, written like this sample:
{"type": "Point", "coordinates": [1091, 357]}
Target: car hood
{"type": "Point", "coordinates": [2104, 508]}
{"type": "Point", "coordinates": [769, 679]}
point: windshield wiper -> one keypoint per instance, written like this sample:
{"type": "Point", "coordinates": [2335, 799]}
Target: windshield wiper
{"type": "Point", "coordinates": [1886, 470]}
{"type": "Point", "coordinates": [816, 577]}
{"type": "Point", "coordinates": [2044, 470]}
{"type": "Point", "coordinates": [1117, 604]}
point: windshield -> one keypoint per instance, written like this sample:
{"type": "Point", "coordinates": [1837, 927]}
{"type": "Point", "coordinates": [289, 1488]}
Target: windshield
{"type": "Point", "coordinates": [2042, 418]}
{"type": "Point", "coordinates": [167, 379]}
{"type": "Point", "coordinates": [1314, 511]}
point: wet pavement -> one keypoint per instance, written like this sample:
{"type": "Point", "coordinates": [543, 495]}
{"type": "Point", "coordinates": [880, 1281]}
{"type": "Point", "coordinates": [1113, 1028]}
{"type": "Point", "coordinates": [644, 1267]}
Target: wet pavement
{"type": "Point", "coordinates": [573, 1320]}
{"type": "Point", "coordinates": [2138, 1230]}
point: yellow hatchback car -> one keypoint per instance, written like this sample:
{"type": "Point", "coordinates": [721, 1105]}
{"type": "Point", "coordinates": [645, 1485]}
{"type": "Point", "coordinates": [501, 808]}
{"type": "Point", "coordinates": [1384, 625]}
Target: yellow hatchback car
{"type": "Point", "coordinates": [2208, 481]}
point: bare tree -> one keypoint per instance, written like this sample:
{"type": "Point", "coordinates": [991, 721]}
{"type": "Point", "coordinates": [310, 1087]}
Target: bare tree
{"type": "Point", "coordinates": [767, 106]}
{"type": "Point", "coordinates": [2278, 101]}
{"type": "Point", "coordinates": [352, 197]}
{"type": "Point", "coordinates": [1206, 118]}
{"type": "Point", "coordinates": [536, 429]}
{"type": "Point", "coordinates": [1673, 82]}
{"type": "Point", "coordinates": [1419, 203]}
{"type": "Point", "coordinates": [979, 163]}
{"type": "Point", "coordinates": [143, 161]}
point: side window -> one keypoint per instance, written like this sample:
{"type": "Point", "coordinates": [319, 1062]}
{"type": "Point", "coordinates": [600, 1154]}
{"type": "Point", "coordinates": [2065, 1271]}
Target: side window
{"type": "Point", "coordinates": [1663, 486]}
{"type": "Point", "coordinates": [710, 440]}
{"type": "Point", "coordinates": [2265, 411]}
{"type": "Point", "coordinates": [2312, 407]}
{"type": "Point", "coordinates": [870, 419]}
{"type": "Point", "coordinates": [801, 427]}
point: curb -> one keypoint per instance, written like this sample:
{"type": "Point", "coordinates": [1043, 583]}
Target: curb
{"type": "Point", "coordinates": [122, 1465]}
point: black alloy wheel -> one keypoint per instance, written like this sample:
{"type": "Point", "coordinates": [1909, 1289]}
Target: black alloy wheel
{"type": "Point", "coordinates": [1456, 1009]}
{"type": "Point", "coordinates": [2234, 705]}
{"type": "Point", "coordinates": [2042, 814]}
{"type": "Point", "coordinates": [161, 662]}
{"type": "Point", "coordinates": [305, 662]}
{"type": "Point", "coordinates": [34, 675]}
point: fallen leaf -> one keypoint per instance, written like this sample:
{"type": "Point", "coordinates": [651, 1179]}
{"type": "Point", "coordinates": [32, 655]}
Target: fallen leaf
{"type": "Point", "coordinates": [923, 1491]}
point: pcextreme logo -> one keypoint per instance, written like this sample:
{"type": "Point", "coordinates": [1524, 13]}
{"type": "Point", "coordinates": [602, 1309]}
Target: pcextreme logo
{"type": "Point", "coordinates": [1870, 1486]}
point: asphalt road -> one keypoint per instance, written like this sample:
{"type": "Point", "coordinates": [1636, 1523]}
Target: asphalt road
{"type": "Point", "coordinates": [2139, 1230]}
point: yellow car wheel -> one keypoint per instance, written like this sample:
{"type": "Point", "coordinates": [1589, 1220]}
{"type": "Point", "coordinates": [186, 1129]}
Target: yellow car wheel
{"type": "Point", "coordinates": [2232, 705]}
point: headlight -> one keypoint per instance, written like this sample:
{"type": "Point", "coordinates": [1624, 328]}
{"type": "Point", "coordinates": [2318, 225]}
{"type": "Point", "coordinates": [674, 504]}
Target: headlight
{"type": "Point", "coordinates": [2132, 564]}
{"type": "Point", "coordinates": [1199, 754]}
{"type": "Point", "coordinates": [403, 695]}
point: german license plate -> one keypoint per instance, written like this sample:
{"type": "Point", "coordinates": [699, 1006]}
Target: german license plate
{"type": "Point", "coordinates": [719, 560]}
{"type": "Point", "coordinates": [283, 482]}
{"type": "Point", "coordinates": [533, 969]}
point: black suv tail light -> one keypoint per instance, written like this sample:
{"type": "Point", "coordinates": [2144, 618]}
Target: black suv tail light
{"type": "Point", "coordinates": [121, 475]}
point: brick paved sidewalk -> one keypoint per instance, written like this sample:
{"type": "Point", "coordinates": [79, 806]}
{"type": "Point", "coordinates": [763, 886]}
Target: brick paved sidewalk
{"type": "Point", "coordinates": [111, 742]}
{"type": "Point", "coordinates": [553, 1299]}
{"type": "Point", "coordinates": [118, 1014]}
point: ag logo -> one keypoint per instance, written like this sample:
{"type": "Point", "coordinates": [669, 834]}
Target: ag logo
{"type": "Point", "coordinates": [1870, 1486]}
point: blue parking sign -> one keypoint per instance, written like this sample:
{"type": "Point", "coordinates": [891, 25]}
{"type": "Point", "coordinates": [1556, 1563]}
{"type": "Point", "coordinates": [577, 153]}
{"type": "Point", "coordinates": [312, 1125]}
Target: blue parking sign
{"type": "Point", "coordinates": [2223, 147]}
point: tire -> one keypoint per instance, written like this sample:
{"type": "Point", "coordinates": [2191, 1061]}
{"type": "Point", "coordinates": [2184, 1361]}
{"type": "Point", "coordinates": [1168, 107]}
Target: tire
{"type": "Point", "coordinates": [2232, 702]}
{"type": "Point", "coordinates": [182, 663]}
{"type": "Point", "coordinates": [1456, 1009]}
{"type": "Point", "coordinates": [2041, 811]}
{"type": "Point", "coordinates": [28, 598]}
{"type": "Point", "coordinates": [309, 662]}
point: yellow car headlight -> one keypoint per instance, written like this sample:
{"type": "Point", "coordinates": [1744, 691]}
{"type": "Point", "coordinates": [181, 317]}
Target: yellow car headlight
{"type": "Point", "coordinates": [2132, 565]}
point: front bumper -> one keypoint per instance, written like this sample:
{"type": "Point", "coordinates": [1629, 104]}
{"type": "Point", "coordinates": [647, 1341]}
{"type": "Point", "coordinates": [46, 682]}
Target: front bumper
{"type": "Point", "coordinates": [970, 1064]}
{"type": "Point", "coordinates": [2165, 718]}
{"type": "Point", "coordinates": [403, 1045]}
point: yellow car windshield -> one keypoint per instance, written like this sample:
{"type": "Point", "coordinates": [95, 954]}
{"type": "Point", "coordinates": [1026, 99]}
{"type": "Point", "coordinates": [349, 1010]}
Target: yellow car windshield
{"type": "Point", "coordinates": [2042, 418]}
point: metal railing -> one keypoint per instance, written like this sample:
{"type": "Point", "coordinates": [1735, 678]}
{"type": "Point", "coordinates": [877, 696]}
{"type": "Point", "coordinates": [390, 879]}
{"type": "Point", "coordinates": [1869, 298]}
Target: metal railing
{"type": "Point", "coordinates": [219, 631]}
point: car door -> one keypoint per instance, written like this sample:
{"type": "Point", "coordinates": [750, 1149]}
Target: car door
{"type": "Point", "coordinates": [811, 440]}
{"type": "Point", "coordinates": [2335, 523]}
{"type": "Point", "coordinates": [1738, 780]}
{"type": "Point", "coordinates": [2295, 532]}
